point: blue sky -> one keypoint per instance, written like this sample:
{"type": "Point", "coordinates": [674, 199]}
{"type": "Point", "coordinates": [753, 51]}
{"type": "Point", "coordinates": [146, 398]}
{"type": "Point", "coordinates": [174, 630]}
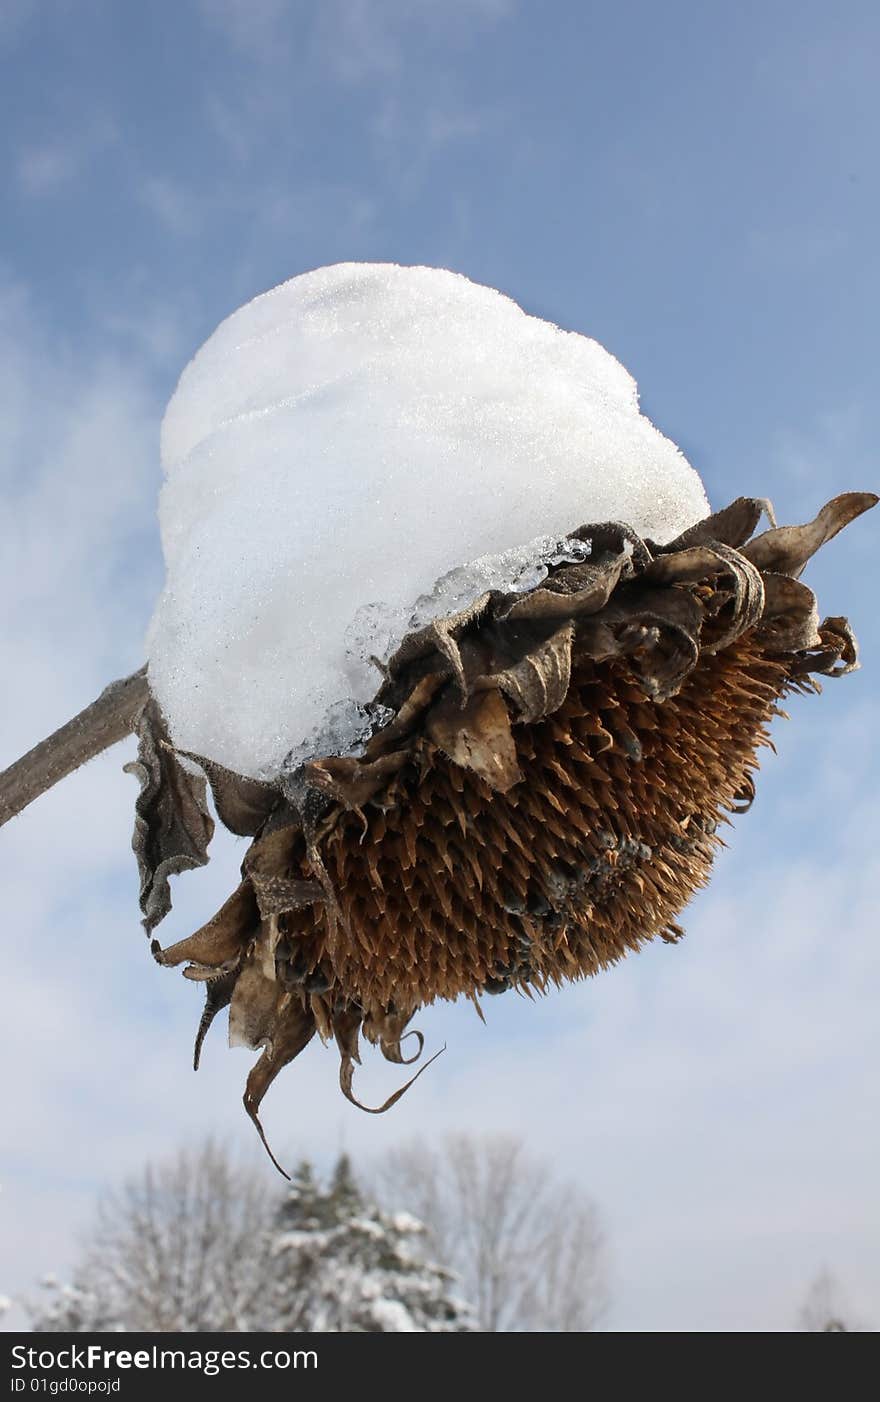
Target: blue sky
{"type": "Point", "coordinates": [695, 186]}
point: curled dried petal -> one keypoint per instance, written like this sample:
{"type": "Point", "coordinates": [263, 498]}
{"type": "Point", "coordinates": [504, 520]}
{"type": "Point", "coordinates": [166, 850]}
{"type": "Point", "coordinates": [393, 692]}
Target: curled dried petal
{"type": "Point", "coordinates": [787, 549]}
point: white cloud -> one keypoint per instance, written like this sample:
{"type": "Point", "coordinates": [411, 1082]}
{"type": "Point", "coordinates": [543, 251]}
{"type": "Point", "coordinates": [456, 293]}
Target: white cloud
{"type": "Point", "coordinates": [354, 41]}
{"type": "Point", "coordinates": [366, 49]}
{"type": "Point", "coordinates": [359, 41]}
{"type": "Point", "coordinates": [52, 166]}
{"type": "Point", "coordinates": [159, 331]}
{"type": "Point", "coordinates": [236, 127]}
{"type": "Point", "coordinates": [407, 140]}
{"type": "Point", "coordinates": [80, 473]}
{"type": "Point", "coordinates": [254, 27]}
{"type": "Point", "coordinates": [42, 169]}
{"type": "Point", "coordinates": [176, 207]}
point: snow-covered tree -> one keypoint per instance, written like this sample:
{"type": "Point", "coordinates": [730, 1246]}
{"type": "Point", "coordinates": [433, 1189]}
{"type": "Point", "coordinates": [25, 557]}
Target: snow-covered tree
{"type": "Point", "coordinates": [196, 1245]}
{"type": "Point", "coordinates": [344, 1266]}
{"type": "Point", "coordinates": [75, 1309]}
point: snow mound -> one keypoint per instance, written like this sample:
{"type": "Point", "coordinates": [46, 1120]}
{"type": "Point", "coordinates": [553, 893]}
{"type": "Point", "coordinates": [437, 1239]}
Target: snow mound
{"type": "Point", "coordinates": [362, 449]}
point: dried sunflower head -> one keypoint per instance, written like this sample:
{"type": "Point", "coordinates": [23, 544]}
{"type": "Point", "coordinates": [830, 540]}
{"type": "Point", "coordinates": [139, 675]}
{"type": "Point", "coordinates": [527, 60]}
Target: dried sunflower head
{"type": "Point", "coordinates": [541, 796]}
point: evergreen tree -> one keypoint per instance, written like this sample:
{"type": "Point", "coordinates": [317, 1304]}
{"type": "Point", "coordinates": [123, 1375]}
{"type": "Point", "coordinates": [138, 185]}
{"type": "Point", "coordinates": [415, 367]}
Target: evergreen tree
{"type": "Point", "coordinates": [341, 1265]}
{"type": "Point", "coordinates": [200, 1255]}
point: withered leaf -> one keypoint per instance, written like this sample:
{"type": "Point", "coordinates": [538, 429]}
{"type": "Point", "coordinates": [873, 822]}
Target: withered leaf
{"type": "Point", "coordinates": [353, 782]}
{"type": "Point", "coordinates": [839, 652]}
{"type": "Point", "coordinates": [388, 1030]}
{"type": "Point", "coordinates": [659, 628]}
{"type": "Point", "coordinates": [731, 526]}
{"type": "Point", "coordinates": [745, 606]}
{"type": "Point", "coordinates": [702, 562]}
{"type": "Point", "coordinates": [686, 566]}
{"type": "Point", "coordinates": [292, 1033]}
{"type": "Point", "coordinates": [477, 737]}
{"type": "Point", "coordinates": [440, 637]}
{"type": "Point", "coordinates": [172, 825]}
{"type": "Point", "coordinates": [346, 1029]}
{"type": "Point", "coordinates": [269, 849]}
{"type": "Point", "coordinates": [257, 1002]}
{"type": "Point", "coordinates": [538, 684]}
{"type": "Point", "coordinates": [278, 894]}
{"type": "Point", "coordinates": [346, 1078]}
{"type": "Point", "coordinates": [218, 994]}
{"type": "Point", "coordinates": [209, 973]}
{"type": "Point", "coordinates": [790, 619]}
{"type": "Point", "coordinates": [242, 804]}
{"type": "Point", "coordinates": [392, 1050]}
{"type": "Point", "coordinates": [613, 538]}
{"type": "Point", "coordinates": [409, 714]}
{"type": "Point", "coordinates": [224, 938]}
{"type": "Point", "coordinates": [787, 549]}
{"type": "Point", "coordinates": [744, 796]}
{"type": "Point", "coordinates": [593, 586]}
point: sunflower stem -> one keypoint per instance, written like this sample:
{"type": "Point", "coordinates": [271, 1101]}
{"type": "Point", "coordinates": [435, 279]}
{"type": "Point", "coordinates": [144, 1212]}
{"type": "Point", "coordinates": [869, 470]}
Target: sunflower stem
{"type": "Point", "coordinates": [107, 720]}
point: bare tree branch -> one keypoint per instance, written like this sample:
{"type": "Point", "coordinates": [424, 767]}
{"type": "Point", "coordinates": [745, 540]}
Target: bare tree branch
{"type": "Point", "coordinates": [528, 1249]}
{"type": "Point", "coordinates": [181, 1248]}
{"type": "Point", "coordinates": [95, 729]}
